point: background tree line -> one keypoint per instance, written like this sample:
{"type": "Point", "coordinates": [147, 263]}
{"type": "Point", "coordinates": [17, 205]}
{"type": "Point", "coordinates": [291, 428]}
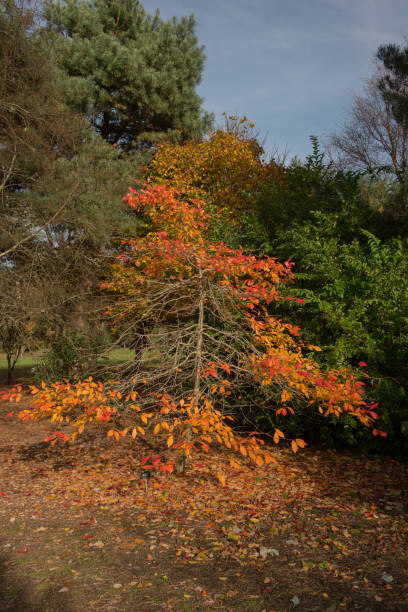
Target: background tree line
{"type": "Point", "coordinates": [91, 93]}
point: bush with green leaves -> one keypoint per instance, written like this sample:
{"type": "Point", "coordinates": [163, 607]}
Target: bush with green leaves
{"type": "Point", "coordinates": [356, 309]}
{"type": "Point", "coordinates": [307, 187]}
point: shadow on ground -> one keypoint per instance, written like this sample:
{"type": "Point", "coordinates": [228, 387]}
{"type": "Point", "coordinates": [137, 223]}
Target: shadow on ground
{"type": "Point", "coordinates": [17, 594]}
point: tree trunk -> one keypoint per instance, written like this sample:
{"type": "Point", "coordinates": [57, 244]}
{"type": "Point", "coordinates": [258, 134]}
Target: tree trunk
{"type": "Point", "coordinates": [183, 457]}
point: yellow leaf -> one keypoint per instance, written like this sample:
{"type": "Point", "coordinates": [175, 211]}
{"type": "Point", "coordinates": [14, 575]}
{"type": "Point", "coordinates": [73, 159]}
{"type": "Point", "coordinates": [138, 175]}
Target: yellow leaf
{"type": "Point", "coordinates": [156, 429]}
{"type": "Point", "coordinates": [134, 433]}
{"type": "Point", "coordinates": [234, 463]}
{"type": "Point", "coordinates": [141, 430]}
{"type": "Point", "coordinates": [286, 396]}
{"type": "Point", "coordinates": [169, 441]}
{"type": "Point", "coordinates": [144, 418]}
{"type": "Point", "coordinates": [221, 478]}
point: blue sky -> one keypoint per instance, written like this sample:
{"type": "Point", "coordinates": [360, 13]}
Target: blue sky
{"type": "Point", "coordinates": [288, 65]}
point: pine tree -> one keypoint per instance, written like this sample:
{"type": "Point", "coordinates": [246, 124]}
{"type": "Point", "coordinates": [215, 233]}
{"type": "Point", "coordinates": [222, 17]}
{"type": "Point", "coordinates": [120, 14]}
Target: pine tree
{"type": "Point", "coordinates": [133, 74]}
{"type": "Point", "coordinates": [60, 194]}
{"type": "Point", "coordinates": [393, 85]}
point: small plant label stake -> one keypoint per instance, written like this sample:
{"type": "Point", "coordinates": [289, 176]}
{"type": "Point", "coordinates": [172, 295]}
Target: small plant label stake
{"type": "Point", "coordinates": [146, 475]}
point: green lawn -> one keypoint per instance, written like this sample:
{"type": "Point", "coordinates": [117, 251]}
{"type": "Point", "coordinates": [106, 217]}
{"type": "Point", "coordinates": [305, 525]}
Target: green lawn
{"type": "Point", "coordinates": [26, 361]}
{"type": "Point", "coordinates": [118, 355]}
{"type": "Point", "coordinates": [22, 371]}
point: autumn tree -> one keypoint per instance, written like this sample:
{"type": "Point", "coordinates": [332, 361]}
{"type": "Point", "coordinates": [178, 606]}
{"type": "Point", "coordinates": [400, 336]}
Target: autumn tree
{"type": "Point", "coordinates": [226, 168]}
{"type": "Point", "coordinates": [200, 318]}
{"type": "Point", "coordinates": [133, 74]}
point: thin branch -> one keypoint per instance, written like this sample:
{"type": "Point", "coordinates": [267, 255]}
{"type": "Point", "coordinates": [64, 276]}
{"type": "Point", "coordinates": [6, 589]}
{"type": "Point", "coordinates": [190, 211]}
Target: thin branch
{"type": "Point", "coordinates": [50, 220]}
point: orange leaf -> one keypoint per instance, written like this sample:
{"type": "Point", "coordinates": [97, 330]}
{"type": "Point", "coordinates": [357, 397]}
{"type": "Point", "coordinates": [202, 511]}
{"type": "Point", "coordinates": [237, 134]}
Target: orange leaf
{"type": "Point", "coordinates": [170, 441]}
{"type": "Point", "coordinates": [243, 450]}
{"type": "Point", "coordinates": [134, 433]}
{"type": "Point", "coordinates": [294, 446]}
{"type": "Point", "coordinates": [259, 461]}
{"type": "Point", "coordinates": [156, 429]}
{"type": "Point", "coordinates": [301, 443]}
{"type": "Point", "coordinates": [221, 478]}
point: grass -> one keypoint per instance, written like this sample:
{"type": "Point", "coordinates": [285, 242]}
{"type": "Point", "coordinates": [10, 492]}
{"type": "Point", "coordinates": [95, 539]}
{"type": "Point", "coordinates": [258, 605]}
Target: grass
{"type": "Point", "coordinates": [118, 355]}
{"type": "Point", "coordinates": [23, 369]}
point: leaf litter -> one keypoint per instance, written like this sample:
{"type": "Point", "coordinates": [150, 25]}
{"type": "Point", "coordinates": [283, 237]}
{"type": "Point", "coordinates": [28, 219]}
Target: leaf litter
{"type": "Point", "coordinates": [270, 538]}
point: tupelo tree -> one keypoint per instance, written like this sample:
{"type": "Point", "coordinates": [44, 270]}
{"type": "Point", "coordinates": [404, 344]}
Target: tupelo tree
{"type": "Point", "coordinates": [199, 316]}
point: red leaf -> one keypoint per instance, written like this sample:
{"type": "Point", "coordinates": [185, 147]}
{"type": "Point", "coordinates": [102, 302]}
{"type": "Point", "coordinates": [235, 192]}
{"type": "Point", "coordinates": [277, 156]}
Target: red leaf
{"type": "Point", "coordinates": [23, 550]}
{"type": "Point", "coordinates": [167, 468]}
{"type": "Point", "coordinates": [362, 364]}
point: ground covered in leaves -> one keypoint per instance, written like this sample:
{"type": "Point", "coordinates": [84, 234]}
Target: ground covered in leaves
{"type": "Point", "coordinates": [79, 531]}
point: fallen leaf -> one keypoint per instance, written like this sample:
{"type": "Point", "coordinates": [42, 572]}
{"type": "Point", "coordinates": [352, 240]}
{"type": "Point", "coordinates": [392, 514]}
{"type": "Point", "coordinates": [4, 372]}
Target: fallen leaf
{"type": "Point", "coordinates": [387, 577]}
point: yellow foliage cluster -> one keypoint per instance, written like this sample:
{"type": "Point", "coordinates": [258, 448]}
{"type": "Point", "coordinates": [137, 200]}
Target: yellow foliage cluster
{"type": "Point", "coordinates": [185, 425]}
{"type": "Point", "coordinates": [225, 169]}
